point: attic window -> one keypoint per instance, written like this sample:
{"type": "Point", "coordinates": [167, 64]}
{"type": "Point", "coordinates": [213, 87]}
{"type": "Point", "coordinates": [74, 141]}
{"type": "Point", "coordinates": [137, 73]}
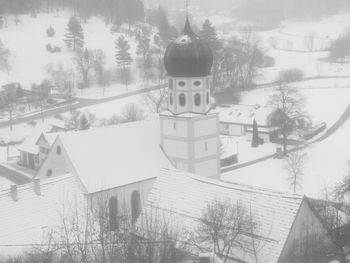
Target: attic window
{"type": "Point", "coordinates": [58, 150]}
{"type": "Point", "coordinates": [49, 173]}
{"type": "Point", "coordinates": [197, 83]}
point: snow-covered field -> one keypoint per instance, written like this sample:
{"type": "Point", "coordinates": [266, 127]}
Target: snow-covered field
{"type": "Point", "coordinates": [326, 165]}
{"type": "Point", "coordinates": [27, 42]}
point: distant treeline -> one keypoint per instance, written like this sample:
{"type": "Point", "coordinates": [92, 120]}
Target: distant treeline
{"type": "Point", "coordinates": [269, 13]}
{"type": "Point", "coordinates": [117, 11]}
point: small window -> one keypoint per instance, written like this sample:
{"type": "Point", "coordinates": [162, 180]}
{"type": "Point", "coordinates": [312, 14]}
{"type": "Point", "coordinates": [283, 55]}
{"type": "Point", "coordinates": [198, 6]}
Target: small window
{"type": "Point", "coordinates": [207, 98]}
{"type": "Point", "coordinates": [206, 147]}
{"type": "Point", "coordinates": [174, 125]}
{"type": "Point", "coordinates": [58, 150]}
{"type": "Point", "coordinates": [182, 84]}
{"type": "Point", "coordinates": [171, 99]}
{"type": "Point", "coordinates": [171, 84]}
{"type": "Point", "coordinates": [36, 159]}
{"type": "Point", "coordinates": [197, 99]}
{"type": "Point", "coordinates": [197, 83]}
{"type": "Point", "coordinates": [182, 99]}
{"type": "Point", "coordinates": [49, 173]}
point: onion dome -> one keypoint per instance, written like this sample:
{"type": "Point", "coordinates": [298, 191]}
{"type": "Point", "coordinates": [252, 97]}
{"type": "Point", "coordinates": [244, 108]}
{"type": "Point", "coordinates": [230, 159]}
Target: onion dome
{"type": "Point", "coordinates": [188, 55]}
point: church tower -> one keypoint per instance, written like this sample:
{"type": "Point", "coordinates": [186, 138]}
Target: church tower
{"type": "Point", "coordinates": [189, 130]}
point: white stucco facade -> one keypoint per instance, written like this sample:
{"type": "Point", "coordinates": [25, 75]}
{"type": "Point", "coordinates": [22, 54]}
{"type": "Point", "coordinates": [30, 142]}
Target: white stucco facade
{"type": "Point", "coordinates": [189, 131]}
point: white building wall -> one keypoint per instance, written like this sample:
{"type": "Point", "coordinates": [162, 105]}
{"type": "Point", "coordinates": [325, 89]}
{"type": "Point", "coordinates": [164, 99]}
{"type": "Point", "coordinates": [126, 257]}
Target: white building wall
{"type": "Point", "coordinates": [177, 149]}
{"type": "Point", "coordinates": [175, 128]}
{"type": "Point", "coordinates": [206, 148]}
{"type": "Point", "coordinates": [124, 193]}
{"type": "Point", "coordinates": [236, 130]}
{"type": "Point", "coordinates": [181, 166]}
{"type": "Point", "coordinates": [207, 168]}
{"type": "Point", "coordinates": [205, 127]}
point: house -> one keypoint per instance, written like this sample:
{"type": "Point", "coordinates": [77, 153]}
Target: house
{"type": "Point", "coordinates": [34, 149]}
{"type": "Point", "coordinates": [237, 120]}
{"type": "Point", "coordinates": [31, 211]}
{"type": "Point", "coordinates": [120, 161]}
{"type": "Point", "coordinates": [287, 226]}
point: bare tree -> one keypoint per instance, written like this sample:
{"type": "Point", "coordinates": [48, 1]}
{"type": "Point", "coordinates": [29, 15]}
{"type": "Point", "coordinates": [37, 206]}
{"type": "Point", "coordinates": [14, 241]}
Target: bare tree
{"type": "Point", "coordinates": [309, 41]}
{"type": "Point", "coordinates": [8, 100]}
{"type": "Point", "coordinates": [4, 57]}
{"type": "Point", "coordinates": [98, 64]}
{"type": "Point", "coordinates": [222, 228]}
{"type": "Point", "coordinates": [155, 99]}
{"type": "Point", "coordinates": [290, 115]}
{"type": "Point", "coordinates": [295, 163]}
{"type": "Point", "coordinates": [85, 61]}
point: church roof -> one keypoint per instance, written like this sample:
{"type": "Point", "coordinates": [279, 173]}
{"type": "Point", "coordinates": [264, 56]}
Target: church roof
{"type": "Point", "coordinates": [115, 156]}
{"type": "Point", "coordinates": [188, 55]}
{"type": "Point", "coordinates": [183, 196]}
{"type": "Point", "coordinates": [24, 223]}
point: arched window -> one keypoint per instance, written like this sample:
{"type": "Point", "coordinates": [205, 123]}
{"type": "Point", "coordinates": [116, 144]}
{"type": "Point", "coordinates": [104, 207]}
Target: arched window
{"type": "Point", "coordinates": [135, 205]}
{"type": "Point", "coordinates": [171, 99]}
{"type": "Point", "coordinates": [58, 150]}
{"type": "Point", "coordinates": [207, 98]}
{"type": "Point", "coordinates": [113, 213]}
{"type": "Point", "coordinates": [182, 99]}
{"type": "Point", "coordinates": [197, 99]}
{"type": "Point", "coordinates": [49, 172]}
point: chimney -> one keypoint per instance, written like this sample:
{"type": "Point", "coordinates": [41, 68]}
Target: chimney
{"type": "Point", "coordinates": [36, 184]}
{"type": "Point", "coordinates": [14, 192]}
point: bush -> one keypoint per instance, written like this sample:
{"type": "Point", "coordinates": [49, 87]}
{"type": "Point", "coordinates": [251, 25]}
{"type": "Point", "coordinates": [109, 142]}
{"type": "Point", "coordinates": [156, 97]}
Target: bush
{"type": "Point", "coordinates": [50, 32]}
{"type": "Point", "coordinates": [53, 49]}
{"type": "Point", "coordinates": [290, 75]}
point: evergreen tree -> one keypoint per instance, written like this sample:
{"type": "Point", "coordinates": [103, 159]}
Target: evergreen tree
{"type": "Point", "coordinates": [208, 33]}
{"type": "Point", "coordinates": [255, 136]}
{"type": "Point", "coordinates": [123, 56]}
{"type": "Point", "coordinates": [166, 31]}
{"type": "Point", "coordinates": [84, 123]}
{"type": "Point", "coordinates": [74, 37]}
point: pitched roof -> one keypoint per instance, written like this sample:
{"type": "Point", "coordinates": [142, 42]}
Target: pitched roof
{"type": "Point", "coordinates": [30, 142]}
{"type": "Point", "coordinates": [25, 222]}
{"type": "Point", "coordinates": [184, 196]}
{"type": "Point", "coordinates": [245, 114]}
{"type": "Point", "coordinates": [114, 156]}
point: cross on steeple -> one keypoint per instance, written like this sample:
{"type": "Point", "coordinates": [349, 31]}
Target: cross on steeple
{"type": "Point", "coordinates": [186, 5]}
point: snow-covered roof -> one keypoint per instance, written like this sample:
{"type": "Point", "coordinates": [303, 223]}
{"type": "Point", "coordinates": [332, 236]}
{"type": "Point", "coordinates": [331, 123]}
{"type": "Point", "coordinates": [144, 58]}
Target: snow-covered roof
{"type": "Point", "coordinates": [30, 143]}
{"type": "Point", "coordinates": [183, 197]}
{"type": "Point", "coordinates": [245, 114]}
{"type": "Point", "coordinates": [114, 156]}
{"type": "Point", "coordinates": [27, 220]}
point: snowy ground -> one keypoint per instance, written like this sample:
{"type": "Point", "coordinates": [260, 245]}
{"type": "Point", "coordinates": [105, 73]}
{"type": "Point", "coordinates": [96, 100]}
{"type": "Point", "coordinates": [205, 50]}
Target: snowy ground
{"type": "Point", "coordinates": [27, 42]}
{"type": "Point", "coordinates": [326, 165]}
{"type": "Point", "coordinates": [326, 99]}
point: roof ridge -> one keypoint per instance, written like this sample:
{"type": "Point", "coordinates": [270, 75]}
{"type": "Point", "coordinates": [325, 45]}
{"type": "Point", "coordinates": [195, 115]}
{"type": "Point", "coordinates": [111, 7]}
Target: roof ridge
{"type": "Point", "coordinates": [239, 186]}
